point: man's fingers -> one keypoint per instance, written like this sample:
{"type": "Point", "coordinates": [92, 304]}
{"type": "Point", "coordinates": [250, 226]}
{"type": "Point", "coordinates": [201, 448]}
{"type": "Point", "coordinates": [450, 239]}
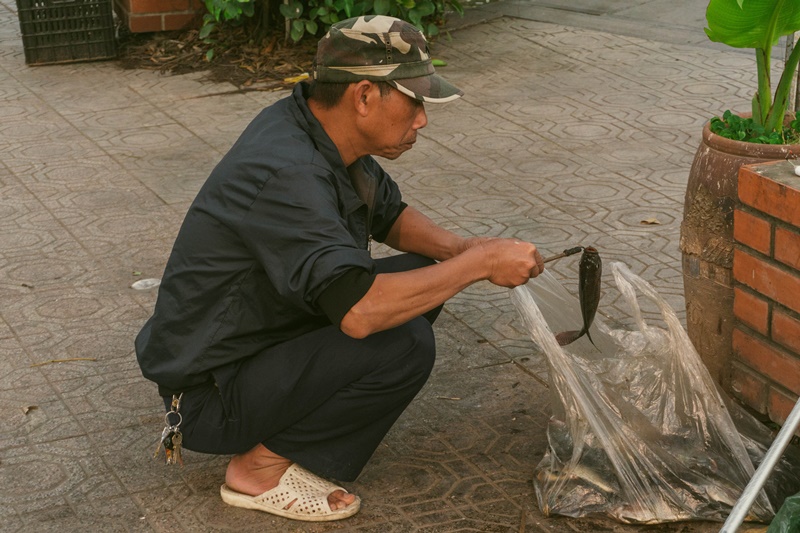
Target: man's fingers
{"type": "Point", "coordinates": [538, 267]}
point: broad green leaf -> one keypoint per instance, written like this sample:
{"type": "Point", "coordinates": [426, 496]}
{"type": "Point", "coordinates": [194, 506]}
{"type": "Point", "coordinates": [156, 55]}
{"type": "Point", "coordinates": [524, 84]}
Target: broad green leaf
{"type": "Point", "coordinates": [311, 27]}
{"type": "Point", "coordinates": [232, 11]}
{"type": "Point", "coordinates": [296, 34]}
{"type": "Point", "coordinates": [210, 55]}
{"type": "Point", "coordinates": [292, 10]}
{"type": "Point", "coordinates": [424, 8]}
{"type": "Point", "coordinates": [437, 62]}
{"type": "Point", "coordinates": [381, 7]}
{"type": "Point", "coordinates": [457, 7]}
{"type": "Point", "coordinates": [751, 23]}
{"type": "Point", "coordinates": [206, 30]}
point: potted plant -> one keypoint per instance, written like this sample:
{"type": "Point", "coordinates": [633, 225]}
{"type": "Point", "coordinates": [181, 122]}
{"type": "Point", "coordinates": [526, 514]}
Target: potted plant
{"type": "Point", "coordinates": [728, 143]}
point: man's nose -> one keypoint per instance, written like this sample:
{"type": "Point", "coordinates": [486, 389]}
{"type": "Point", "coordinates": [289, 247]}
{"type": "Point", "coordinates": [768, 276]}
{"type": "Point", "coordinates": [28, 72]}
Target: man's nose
{"type": "Point", "coordinates": [421, 119]}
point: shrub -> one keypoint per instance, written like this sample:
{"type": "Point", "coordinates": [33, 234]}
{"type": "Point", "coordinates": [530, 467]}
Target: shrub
{"type": "Point", "coordinates": [310, 17]}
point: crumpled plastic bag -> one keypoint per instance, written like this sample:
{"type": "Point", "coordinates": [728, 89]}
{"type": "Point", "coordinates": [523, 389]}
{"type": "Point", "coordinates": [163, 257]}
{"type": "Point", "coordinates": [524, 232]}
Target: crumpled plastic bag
{"type": "Point", "coordinates": [639, 430]}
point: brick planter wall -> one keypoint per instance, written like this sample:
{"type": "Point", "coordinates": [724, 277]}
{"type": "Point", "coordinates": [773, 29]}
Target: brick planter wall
{"type": "Point", "coordinates": [765, 372]}
{"type": "Point", "coordinates": [159, 15]}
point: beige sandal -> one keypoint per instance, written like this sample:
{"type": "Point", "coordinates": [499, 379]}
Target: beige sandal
{"type": "Point", "coordinates": [309, 493]}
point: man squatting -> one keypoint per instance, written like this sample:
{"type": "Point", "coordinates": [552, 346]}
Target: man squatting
{"type": "Point", "coordinates": [288, 343]}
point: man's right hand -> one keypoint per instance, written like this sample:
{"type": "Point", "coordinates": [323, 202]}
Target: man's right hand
{"type": "Point", "coordinates": [510, 262]}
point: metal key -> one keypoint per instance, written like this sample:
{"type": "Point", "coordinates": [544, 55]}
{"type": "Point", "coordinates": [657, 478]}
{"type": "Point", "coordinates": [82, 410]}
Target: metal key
{"type": "Point", "coordinates": [172, 447]}
{"type": "Point", "coordinates": [171, 437]}
{"type": "Point", "coordinates": [161, 440]}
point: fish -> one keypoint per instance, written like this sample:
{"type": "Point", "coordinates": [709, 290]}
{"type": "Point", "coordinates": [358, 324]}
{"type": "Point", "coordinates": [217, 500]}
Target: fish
{"type": "Point", "coordinates": [577, 473]}
{"type": "Point", "coordinates": [590, 270]}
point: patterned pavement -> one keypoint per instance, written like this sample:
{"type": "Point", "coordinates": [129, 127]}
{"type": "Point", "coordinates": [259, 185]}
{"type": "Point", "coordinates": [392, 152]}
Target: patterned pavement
{"type": "Point", "coordinates": [570, 133]}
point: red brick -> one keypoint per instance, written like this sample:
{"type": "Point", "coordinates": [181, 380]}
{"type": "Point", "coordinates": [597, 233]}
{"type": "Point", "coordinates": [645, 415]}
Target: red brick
{"type": "Point", "coordinates": [787, 247]}
{"type": "Point", "coordinates": [181, 21]}
{"type": "Point", "coordinates": [780, 405]}
{"type": "Point", "coordinates": [158, 6]}
{"type": "Point", "coordinates": [767, 360]}
{"type": "Point", "coordinates": [775, 283]}
{"type": "Point", "coordinates": [145, 23]}
{"type": "Point", "coordinates": [749, 387]}
{"type": "Point", "coordinates": [786, 331]}
{"type": "Point", "coordinates": [769, 196]}
{"type": "Point", "coordinates": [751, 310]}
{"type": "Point", "coordinates": [752, 231]}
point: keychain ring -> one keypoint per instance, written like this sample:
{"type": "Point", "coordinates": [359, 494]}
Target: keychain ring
{"type": "Point", "coordinates": [166, 419]}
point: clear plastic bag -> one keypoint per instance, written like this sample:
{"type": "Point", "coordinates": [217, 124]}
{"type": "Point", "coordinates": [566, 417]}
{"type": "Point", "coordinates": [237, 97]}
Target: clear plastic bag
{"type": "Point", "coordinates": [639, 430]}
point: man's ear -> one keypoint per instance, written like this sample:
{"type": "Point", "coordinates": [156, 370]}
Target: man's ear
{"type": "Point", "coordinates": [362, 93]}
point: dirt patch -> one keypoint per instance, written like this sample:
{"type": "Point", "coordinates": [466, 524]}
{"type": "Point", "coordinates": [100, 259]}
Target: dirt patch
{"type": "Point", "coordinates": [236, 56]}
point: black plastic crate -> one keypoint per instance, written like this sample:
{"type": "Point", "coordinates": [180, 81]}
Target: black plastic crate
{"type": "Point", "coordinates": [65, 31]}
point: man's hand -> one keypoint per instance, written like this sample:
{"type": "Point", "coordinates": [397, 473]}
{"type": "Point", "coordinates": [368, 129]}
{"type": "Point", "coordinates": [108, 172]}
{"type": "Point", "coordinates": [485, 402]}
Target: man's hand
{"type": "Point", "coordinates": [510, 262]}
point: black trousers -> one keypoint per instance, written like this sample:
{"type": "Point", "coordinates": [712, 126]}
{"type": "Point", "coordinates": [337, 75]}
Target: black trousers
{"type": "Point", "coordinates": [323, 400]}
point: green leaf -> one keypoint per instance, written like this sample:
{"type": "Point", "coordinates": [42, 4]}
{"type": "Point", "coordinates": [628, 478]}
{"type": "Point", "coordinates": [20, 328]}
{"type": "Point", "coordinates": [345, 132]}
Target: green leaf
{"type": "Point", "coordinates": [292, 10]}
{"type": "Point", "coordinates": [206, 30]}
{"type": "Point", "coordinates": [296, 34]}
{"type": "Point", "coordinates": [232, 11]}
{"type": "Point", "coordinates": [311, 27]}
{"type": "Point", "coordinates": [210, 55]}
{"type": "Point", "coordinates": [457, 7]}
{"type": "Point", "coordinates": [751, 23]}
{"type": "Point", "coordinates": [438, 62]}
{"type": "Point", "coordinates": [424, 8]}
{"type": "Point", "coordinates": [348, 7]}
{"type": "Point", "coordinates": [381, 7]}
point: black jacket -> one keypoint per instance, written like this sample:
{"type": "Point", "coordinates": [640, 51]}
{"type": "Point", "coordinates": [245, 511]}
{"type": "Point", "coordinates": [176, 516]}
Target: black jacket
{"type": "Point", "coordinates": [275, 245]}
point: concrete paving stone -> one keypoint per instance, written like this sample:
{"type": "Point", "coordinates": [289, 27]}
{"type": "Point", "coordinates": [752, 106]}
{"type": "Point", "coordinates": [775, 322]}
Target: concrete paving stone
{"type": "Point", "coordinates": [537, 150]}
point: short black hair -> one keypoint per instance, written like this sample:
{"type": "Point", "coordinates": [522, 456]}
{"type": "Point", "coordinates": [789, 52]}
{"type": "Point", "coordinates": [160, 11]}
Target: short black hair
{"type": "Point", "coordinates": [328, 94]}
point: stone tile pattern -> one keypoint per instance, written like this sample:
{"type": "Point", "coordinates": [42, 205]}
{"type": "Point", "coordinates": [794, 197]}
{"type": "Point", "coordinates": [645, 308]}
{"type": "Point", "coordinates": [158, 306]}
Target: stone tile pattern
{"type": "Point", "coordinates": [766, 270]}
{"type": "Point", "coordinates": [565, 137]}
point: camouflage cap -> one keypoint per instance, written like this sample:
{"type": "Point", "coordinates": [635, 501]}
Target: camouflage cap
{"type": "Point", "coordinates": [380, 48]}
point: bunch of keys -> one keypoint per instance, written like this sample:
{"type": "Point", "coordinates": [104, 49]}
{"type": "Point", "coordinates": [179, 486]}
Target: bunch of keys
{"type": "Point", "coordinates": [171, 437]}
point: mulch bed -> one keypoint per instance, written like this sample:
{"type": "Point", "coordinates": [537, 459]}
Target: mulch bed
{"type": "Point", "coordinates": [266, 62]}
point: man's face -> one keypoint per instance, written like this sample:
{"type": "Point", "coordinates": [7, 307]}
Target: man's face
{"type": "Point", "coordinates": [394, 129]}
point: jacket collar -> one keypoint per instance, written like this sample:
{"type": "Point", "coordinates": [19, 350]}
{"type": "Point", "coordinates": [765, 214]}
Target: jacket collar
{"type": "Point", "coordinates": [325, 146]}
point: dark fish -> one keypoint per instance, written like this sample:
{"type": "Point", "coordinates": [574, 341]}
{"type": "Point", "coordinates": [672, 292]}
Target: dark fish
{"type": "Point", "coordinates": [589, 271]}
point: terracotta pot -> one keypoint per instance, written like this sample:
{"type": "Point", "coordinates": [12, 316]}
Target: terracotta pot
{"type": "Point", "coordinates": [707, 242]}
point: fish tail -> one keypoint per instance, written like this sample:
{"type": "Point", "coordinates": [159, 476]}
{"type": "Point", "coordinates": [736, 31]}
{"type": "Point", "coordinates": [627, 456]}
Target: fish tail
{"type": "Point", "coordinates": [568, 337]}
{"type": "Point", "coordinates": [590, 338]}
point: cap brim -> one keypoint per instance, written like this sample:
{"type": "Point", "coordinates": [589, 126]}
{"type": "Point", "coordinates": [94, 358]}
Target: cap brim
{"type": "Point", "coordinates": [432, 88]}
